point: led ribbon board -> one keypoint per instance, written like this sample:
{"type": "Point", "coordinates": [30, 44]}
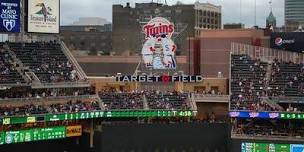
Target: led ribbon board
{"type": "Point", "coordinates": [98, 114]}
{"type": "Point", "coordinates": [271, 147]}
{"type": "Point", "coordinates": [266, 115]}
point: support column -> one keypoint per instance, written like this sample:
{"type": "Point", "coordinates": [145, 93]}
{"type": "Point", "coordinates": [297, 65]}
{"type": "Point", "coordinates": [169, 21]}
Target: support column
{"type": "Point", "coordinates": [92, 134]}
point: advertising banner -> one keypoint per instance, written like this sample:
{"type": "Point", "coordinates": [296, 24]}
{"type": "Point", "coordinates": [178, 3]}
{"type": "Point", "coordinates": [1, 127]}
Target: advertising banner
{"type": "Point", "coordinates": [73, 131]}
{"type": "Point", "coordinates": [291, 41]}
{"type": "Point", "coordinates": [43, 16]}
{"type": "Point", "coordinates": [158, 51]}
{"type": "Point", "coordinates": [10, 16]}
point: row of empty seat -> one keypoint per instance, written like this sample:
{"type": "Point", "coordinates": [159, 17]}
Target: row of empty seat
{"type": "Point", "coordinates": [253, 81]}
{"type": "Point", "coordinates": [46, 60]}
{"type": "Point", "coordinates": [135, 100]}
{"type": "Point", "coordinates": [248, 79]}
{"type": "Point", "coordinates": [8, 72]}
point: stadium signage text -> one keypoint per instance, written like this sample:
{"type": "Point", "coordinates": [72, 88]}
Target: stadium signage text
{"type": "Point", "coordinates": [280, 41]}
{"type": "Point", "coordinates": [271, 147]}
{"type": "Point", "coordinates": [266, 115]}
{"type": "Point", "coordinates": [157, 27]}
{"type": "Point", "coordinates": [39, 134]}
{"type": "Point", "coordinates": [158, 51]}
{"type": "Point", "coordinates": [10, 16]}
{"type": "Point", "coordinates": [163, 78]}
{"type": "Point", "coordinates": [73, 131]}
{"type": "Point", "coordinates": [43, 16]}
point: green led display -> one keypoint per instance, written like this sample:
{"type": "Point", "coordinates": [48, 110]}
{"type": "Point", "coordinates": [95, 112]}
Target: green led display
{"type": "Point", "coordinates": [30, 135]}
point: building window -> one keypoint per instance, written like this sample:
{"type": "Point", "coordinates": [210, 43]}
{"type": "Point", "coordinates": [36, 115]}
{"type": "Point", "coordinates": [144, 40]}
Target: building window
{"type": "Point", "coordinates": [178, 11]}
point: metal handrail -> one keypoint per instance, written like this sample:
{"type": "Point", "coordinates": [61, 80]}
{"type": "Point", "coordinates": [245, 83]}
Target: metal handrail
{"type": "Point", "coordinates": [32, 99]}
{"type": "Point", "coordinates": [210, 95]}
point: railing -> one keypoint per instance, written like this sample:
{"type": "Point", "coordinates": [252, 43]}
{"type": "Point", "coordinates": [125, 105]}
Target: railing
{"type": "Point", "coordinates": [211, 98]}
{"type": "Point", "coordinates": [4, 85]}
{"type": "Point", "coordinates": [268, 137]}
{"type": "Point", "coordinates": [192, 101]}
{"type": "Point", "coordinates": [45, 99]}
{"type": "Point", "coordinates": [66, 51]}
{"type": "Point", "coordinates": [287, 99]}
{"type": "Point", "coordinates": [62, 84]}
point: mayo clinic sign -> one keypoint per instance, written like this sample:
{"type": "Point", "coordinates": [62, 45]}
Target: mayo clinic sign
{"type": "Point", "coordinates": [10, 16]}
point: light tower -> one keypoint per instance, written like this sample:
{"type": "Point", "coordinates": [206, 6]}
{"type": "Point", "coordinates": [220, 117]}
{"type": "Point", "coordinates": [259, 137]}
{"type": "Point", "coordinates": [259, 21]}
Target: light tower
{"type": "Point", "coordinates": [160, 1]}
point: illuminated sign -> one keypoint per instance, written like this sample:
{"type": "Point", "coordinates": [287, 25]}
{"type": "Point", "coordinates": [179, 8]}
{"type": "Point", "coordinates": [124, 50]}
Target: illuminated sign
{"type": "Point", "coordinates": [250, 114]}
{"type": "Point", "coordinates": [30, 135]}
{"type": "Point", "coordinates": [292, 115]}
{"type": "Point", "coordinates": [43, 16]}
{"type": "Point", "coordinates": [279, 41]}
{"type": "Point", "coordinates": [99, 114]}
{"type": "Point", "coordinates": [158, 51]}
{"type": "Point", "coordinates": [10, 16]}
{"type": "Point", "coordinates": [271, 147]}
{"type": "Point", "coordinates": [73, 131]}
{"type": "Point", "coordinates": [1, 138]}
{"type": "Point", "coordinates": [266, 115]}
{"type": "Point", "coordinates": [163, 78]}
{"type": "Point", "coordinates": [290, 41]}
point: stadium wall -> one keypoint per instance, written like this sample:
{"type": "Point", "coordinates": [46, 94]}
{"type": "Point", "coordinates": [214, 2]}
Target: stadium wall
{"type": "Point", "coordinates": [162, 137]}
{"type": "Point", "coordinates": [219, 110]}
{"type": "Point", "coordinates": [215, 45]}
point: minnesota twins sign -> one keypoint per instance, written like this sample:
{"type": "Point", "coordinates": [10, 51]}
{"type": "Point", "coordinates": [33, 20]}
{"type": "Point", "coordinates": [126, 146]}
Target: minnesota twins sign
{"type": "Point", "coordinates": [159, 50]}
{"type": "Point", "coordinates": [10, 16]}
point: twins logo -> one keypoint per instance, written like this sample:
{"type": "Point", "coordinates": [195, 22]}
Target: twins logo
{"type": "Point", "coordinates": [159, 50]}
{"type": "Point", "coordinates": [9, 24]}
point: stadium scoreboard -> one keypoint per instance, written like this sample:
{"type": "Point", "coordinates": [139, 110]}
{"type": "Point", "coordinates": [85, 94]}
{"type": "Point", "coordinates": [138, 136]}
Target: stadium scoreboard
{"type": "Point", "coordinates": [39, 134]}
{"type": "Point", "coordinates": [114, 114]}
{"type": "Point", "coordinates": [30, 135]}
{"type": "Point", "coordinates": [270, 147]}
{"type": "Point", "coordinates": [96, 114]}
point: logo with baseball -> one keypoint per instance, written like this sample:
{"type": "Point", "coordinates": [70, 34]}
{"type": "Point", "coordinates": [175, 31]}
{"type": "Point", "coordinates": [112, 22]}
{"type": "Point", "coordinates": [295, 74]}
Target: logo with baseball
{"type": "Point", "coordinates": [159, 50]}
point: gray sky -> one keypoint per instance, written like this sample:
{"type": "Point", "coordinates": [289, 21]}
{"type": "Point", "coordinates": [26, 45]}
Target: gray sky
{"type": "Point", "coordinates": [72, 10]}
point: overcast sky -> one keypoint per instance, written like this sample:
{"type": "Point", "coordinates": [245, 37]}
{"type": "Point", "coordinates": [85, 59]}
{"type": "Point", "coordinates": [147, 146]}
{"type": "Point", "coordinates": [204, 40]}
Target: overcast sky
{"type": "Point", "coordinates": [71, 10]}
